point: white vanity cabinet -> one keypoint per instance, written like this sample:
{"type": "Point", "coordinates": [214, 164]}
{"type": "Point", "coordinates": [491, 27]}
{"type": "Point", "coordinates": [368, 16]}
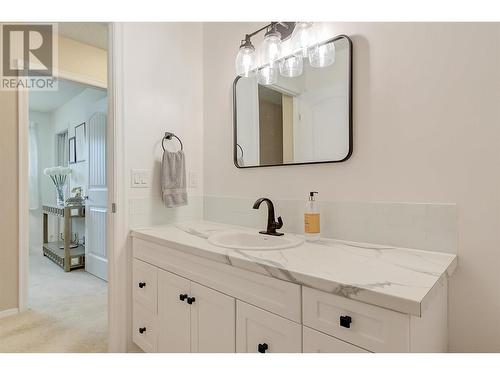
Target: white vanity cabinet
{"type": "Point", "coordinates": [187, 303]}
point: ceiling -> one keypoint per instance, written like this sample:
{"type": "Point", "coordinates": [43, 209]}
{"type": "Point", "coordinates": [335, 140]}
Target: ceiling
{"type": "Point", "coordinates": [93, 33]}
{"type": "Point", "coordinates": [48, 101]}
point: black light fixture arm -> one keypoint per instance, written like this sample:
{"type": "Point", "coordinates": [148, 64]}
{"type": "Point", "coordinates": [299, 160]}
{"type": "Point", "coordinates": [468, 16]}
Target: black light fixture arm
{"type": "Point", "coordinates": [288, 26]}
{"type": "Point", "coordinates": [258, 31]}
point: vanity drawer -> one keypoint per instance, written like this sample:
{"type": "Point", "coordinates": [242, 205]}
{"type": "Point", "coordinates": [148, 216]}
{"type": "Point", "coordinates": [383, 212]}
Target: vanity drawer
{"type": "Point", "coordinates": [372, 328]}
{"type": "Point", "coordinates": [260, 331]}
{"type": "Point", "coordinates": [144, 328]}
{"type": "Point", "coordinates": [145, 284]}
{"type": "Point", "coordinates": [278, 296]}
{"type": "Point", "coordinates": [317, 342]}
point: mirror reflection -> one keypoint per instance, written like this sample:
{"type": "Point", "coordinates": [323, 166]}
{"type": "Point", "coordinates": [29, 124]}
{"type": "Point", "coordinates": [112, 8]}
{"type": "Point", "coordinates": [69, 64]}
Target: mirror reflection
{"type": "Point", "coordinates": [299, 120]}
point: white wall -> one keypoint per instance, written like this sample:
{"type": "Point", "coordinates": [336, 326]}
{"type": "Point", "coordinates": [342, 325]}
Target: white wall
{"type": "Point", "coordinates": [73, 113]}
{"type": "Point", "coordinates": [46, 190]}
{"type": "Point", "coordinates": [426, 129]}
{"type": "Point", "coordinates": [162, 91]}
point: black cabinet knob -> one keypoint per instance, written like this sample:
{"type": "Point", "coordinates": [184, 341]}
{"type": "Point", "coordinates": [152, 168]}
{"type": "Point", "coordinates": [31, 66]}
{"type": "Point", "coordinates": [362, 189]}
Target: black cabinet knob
{"type": "Point", "coordinates": [345, 321]}
{"type": "Point", "coordinates": [142, 330]}
{"type": "Point", "coordinates": [142, 285]}
{"type": "Point", "coordinates": [182, 297]}
{"type": "Point", "coordinates": [261, 348]}
{"type": "Point", "coordinates": [190, 300]}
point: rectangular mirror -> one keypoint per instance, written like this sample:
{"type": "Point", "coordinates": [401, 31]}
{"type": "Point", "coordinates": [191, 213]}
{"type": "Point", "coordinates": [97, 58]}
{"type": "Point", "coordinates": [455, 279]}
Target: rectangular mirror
{"type": "Point", "coordinates": [301, 120]}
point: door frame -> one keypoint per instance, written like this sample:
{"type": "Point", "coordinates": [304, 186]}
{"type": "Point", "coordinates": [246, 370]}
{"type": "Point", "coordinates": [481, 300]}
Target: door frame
{"type": "Point", "coordinates": [117, 219]}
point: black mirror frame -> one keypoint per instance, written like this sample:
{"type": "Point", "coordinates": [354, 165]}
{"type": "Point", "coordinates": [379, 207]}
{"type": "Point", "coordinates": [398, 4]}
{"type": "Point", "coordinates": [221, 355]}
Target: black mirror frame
{"type": "Point", "coordinates": [349, 153]}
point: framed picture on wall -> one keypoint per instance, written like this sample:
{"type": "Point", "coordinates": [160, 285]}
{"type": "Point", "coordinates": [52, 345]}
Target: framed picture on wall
{"type": "Point", "coordinates": [80, 142]}
{"type": "Point", "coordinates": [72, 150]}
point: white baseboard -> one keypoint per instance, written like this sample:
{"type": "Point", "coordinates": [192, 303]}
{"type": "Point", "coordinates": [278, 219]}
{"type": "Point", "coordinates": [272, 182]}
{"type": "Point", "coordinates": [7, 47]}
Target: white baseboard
{"type": "Point", "coordinates": [9, 312]}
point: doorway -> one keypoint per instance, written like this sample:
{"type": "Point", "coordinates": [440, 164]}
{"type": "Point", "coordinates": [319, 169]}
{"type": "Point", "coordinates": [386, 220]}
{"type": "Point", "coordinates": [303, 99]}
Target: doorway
{"type": "Point", "coordinates": [63, 310]}
{"type": "Point", "coordinates": [71, 288]}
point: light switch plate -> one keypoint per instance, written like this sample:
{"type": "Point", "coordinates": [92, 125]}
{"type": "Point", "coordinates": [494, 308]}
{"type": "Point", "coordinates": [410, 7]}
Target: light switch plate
{"type": "Point", "coordinates": [193, 180]}
{"type": "Point", "coordinates": [140, 178]}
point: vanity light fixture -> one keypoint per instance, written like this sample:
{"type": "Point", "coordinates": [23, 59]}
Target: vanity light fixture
{"type": "Point", "coordinates": [322, 55]}
{"type": "Point", "coordinates": [271, 45]}
{"type": "Point", "coordinates": [268, 75]}
{"type": "Point", "coordinates": [302, 37]}
{"type": "Point", "coordinates": [292, 66]}
{"type": "Point", "coordinates": [269, 62]}
{"type": "Point", "coordinates": [246, 60]}
{"type": "Point", "coordinates": [270, 51]}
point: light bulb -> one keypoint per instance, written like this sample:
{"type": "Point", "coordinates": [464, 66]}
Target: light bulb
{"type": "Point", "coordinates": [270, 47]}
{"type": "Point", "coordinates": [268, 75]}
{"type": "Point", "coordinates": [322, 55]}
{"type": "Point", "coordinates": [291, 66]}
{"type": "Point", "coordinates": [246, 60]}
{"type": "Point", "coordinates": [302, 37]}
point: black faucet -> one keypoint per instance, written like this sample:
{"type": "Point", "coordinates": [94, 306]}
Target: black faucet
{"type": "Point", "coordinates": [271, 224]}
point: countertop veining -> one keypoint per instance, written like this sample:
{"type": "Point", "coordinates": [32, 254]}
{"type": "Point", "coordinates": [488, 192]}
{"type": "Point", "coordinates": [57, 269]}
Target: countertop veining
{"type": "Point", "coordinates": [390, 277]}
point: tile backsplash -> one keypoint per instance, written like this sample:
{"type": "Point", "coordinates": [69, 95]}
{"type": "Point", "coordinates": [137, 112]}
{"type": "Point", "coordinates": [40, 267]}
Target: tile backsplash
{"type": "Point", "coordinates": [148, 211]}
{"type": "Point", "coordinates": [423, 226]}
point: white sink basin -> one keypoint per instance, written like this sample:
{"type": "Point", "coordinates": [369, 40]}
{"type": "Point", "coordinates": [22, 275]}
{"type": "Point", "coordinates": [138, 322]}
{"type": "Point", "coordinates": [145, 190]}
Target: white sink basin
{"type": "Point", "coordinates": [254, 241]}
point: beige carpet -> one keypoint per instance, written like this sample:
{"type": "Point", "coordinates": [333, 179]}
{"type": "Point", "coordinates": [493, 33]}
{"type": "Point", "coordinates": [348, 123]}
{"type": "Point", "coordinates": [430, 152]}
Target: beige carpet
{"type": "Point", "coordinates": [67, 312]}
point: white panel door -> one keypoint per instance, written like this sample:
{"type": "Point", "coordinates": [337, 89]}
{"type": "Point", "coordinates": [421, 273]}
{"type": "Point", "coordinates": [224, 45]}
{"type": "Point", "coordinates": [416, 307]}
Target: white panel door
{"type": "Point", "coordinates": [213, 316]}
{"type": "Point", "coordinates": [173, 313]}
{"type": "Point", "coordinates": [259, 331]}
{"type": "Point", "coordinates": [96, 255]}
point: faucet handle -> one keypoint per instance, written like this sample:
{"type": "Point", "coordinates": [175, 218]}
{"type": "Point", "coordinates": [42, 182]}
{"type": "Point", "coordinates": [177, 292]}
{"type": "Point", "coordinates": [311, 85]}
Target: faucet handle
{"type": "Point", "coordinates": [279, 224]}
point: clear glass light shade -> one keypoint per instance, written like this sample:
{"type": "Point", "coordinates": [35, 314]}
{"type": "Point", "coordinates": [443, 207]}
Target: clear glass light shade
{"type": "Point", "coordinates": [322, 55]}
{"type": "Point", "coordinates": [246, 61]}
{"type": "Point", "coordinates": [268, 75]}
{"type": "Point", "coordinates": [302, 37]}
{"type": "Point", "coordinates": [270, 49]}
{"type": "Point", "coordinates": [292, 66]}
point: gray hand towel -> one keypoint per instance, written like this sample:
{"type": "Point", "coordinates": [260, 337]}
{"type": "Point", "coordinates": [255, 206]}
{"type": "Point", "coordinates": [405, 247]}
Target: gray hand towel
{"type": "Point", "coordinates": [173, 179]}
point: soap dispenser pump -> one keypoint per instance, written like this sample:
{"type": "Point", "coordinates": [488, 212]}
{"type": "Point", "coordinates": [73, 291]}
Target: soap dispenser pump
{"type": "Point", "coordinates": [312, 228]}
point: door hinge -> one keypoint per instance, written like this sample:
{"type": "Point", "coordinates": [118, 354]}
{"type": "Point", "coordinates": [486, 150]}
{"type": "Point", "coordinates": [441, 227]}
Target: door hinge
{"type": "Point", "coordinates": [113, 208]}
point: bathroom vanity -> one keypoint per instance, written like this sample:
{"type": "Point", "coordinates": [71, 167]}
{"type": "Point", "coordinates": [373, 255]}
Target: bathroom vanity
{"type": "Point", "coordinates": [209, 287]}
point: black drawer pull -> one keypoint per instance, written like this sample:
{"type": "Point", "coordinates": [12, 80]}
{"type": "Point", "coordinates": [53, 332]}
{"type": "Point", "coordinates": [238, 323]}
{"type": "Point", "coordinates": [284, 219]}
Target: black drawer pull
{"type": "Point", "coordinates": [142, 330]}
{"type": "Point", "coordinates": [261, 348]}
{"type": "Point", "coordinates": [345, 321]}
{"type": "Point", "coordinates": [190, 300]}
{"type": "Point", "coordinates": [182, 297]}
{"type": "Point", "coordinates": [142, 285]}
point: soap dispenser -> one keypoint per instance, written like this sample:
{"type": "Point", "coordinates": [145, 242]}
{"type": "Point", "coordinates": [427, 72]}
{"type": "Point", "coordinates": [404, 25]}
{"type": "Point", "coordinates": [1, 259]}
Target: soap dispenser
{"type": "Point", "coordinates": [312, 228]}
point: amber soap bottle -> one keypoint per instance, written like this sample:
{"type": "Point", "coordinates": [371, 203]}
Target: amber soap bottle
{"type": "Point", "coordinates": [312, 220]}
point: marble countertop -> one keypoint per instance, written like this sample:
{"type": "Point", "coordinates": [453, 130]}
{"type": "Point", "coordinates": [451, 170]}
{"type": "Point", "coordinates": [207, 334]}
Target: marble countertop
{"type": "Point", "coordinates": [390, 277]}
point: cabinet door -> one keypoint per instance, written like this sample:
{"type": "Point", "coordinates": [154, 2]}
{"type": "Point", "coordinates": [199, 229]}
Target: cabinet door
{"type": "Point", "coordinates": [260, 331]}
{"type": "Point", "coordinates": [145, 284]}
{"type": "Point", "coordinates": [213, 316]}
{"type": "Point", "coordinates": [173, 313]}
{"type": "Point", "coordinates": [317, 342]}
{"type": "Point", "coordinates": [144, 328]}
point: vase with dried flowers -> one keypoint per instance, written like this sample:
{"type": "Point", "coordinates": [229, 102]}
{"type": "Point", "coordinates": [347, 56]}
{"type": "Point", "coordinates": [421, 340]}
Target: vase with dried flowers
{"type": "Point", "coordinates": [58, 175]}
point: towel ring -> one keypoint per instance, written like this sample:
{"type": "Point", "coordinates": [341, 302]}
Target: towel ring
{"type": "Point", "coordinates": [169, 136]}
